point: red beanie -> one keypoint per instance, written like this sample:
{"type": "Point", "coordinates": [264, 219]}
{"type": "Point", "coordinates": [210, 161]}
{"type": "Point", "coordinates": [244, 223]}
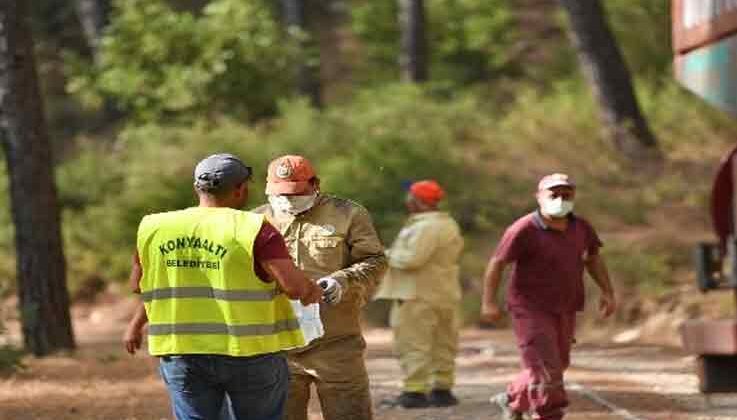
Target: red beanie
{"type": "Point", "coordinates": [427, 191]}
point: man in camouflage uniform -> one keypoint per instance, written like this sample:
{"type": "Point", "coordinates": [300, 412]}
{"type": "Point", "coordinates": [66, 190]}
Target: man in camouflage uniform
{"type": "Point", "coordinates": [332, 240]}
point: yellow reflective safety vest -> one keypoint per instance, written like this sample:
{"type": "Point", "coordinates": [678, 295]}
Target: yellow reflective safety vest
{"type": "Point", "coordinates": [200, 290]}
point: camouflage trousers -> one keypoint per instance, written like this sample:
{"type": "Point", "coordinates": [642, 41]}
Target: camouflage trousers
{"type": "Point", "coordinates": [338, 371]}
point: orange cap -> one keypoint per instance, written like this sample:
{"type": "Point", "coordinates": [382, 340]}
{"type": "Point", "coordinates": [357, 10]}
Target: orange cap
{"type": "Point", "coordinates": [428, 191]}
{"type": "Point", "coordinates": [289, 174]}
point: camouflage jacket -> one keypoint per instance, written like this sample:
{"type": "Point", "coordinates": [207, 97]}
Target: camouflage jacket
{"type": "Point", "coordinates": [335, 238]}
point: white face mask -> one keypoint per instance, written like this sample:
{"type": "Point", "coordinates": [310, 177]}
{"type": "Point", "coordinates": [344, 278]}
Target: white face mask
{"type": "Point", "coordinates": [556, 207]}
{"type": "Point", "coordinates": [292, 204]}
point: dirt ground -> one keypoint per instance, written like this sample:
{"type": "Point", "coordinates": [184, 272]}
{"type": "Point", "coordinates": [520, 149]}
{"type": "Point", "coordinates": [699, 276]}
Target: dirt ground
{"type": "Point", "coordinates": [606, 381]}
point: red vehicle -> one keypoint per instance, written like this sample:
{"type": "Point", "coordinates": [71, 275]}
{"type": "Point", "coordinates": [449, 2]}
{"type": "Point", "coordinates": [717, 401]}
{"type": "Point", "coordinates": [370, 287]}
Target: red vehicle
{"type": "Point", "coordinates": [705, 48]}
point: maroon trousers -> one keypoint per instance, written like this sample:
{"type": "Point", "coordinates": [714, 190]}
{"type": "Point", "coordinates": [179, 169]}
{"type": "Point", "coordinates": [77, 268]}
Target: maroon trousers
{"type": "Point", "coordinates": [544, 340]}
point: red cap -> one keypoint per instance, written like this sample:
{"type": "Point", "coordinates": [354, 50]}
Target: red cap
{"type": "Point", "coordinates": [289, 174]}
{"type": "Point", "coordinates": [555, 180]}
{"type": "Point", "coordinates": [427, 191]}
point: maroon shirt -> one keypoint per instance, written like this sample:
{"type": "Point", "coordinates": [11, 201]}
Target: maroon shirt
{"type": "Point", "coordinates": [548, 264]}
{"type": "Point", "coordinates": [269, 245]}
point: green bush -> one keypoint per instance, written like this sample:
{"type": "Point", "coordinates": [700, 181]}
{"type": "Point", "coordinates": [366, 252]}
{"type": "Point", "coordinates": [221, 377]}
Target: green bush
{"type": "Point", "coordinates": [644, 270]}
{"type": "Point", "coordinates": [366, 150]}
{"type": "Point", "coordinates": [469, 40]}
{"type": "Point", "coordinates": [157, 62]}
{"type": "Point", "coordinates": [10, 356]}
{"type": "Point", "coordinates": [11, 359]}
{"type": "Point", "coordinates": [7, 238]}
{"type": "Point", "coordinates": [643, 30]}
{"type": "Point", "coordinates": [363, 151]}
{"type": "Point", "coordinates": [148, 170]}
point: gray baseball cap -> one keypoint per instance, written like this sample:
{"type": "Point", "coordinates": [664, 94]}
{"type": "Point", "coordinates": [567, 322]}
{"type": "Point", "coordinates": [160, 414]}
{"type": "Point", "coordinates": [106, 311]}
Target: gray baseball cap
{"type": "Point", "coordinates": [220, 171]}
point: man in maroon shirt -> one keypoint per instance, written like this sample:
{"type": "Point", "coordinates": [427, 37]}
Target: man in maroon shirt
{"type": "Point", "coordinates": [549, 248]}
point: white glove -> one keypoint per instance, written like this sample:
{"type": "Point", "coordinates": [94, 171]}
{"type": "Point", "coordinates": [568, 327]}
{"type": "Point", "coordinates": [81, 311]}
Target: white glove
{"type": "Point", "coordinates": [332, 290]}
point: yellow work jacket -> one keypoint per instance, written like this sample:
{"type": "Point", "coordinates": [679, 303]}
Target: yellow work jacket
{"type": "Point", "coordinates": [423, 261]}
{"type": "Point", "coordinates": [200, 290]}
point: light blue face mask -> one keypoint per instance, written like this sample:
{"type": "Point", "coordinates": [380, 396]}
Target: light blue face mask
{"type": "Point", "coordinates": [556, 207]}
{"type": "Point", "coordinates": [292, 204]}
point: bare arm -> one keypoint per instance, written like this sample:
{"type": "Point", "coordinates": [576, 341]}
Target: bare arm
{"type": "Point", "coordinates": [490, 311]}
{"type": "Point", "coordinates": [292, 281]}
{"type": "Point", "coordinates": [134, 280]}
{"type": "Point", "coordinates": [134, 332]}
{"type": "Point", "coordinates": [597, 270]}
{"type": "Point", "coordinates": [133, 336]}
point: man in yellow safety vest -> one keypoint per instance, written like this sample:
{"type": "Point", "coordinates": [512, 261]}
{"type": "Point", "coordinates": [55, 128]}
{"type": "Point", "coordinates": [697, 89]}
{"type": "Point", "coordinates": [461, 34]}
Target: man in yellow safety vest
{"type": "Point", "coordinates": [215, 283]}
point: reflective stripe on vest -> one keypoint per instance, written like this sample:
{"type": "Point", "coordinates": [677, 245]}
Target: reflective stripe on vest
{"type": "Point", "coordinates": [218, 305]}
{"type": "Point", "coordinates": [235, 330]}
{"type": "Point", "coordinates": [209, 292]}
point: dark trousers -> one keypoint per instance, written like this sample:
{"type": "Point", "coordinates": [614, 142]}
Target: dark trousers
{"type": "Point", "coordinates": [256, 387]}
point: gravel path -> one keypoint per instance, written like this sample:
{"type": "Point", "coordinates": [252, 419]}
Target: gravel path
{"type": "Point", "coordinates": [606, 382]}
{"type": "Point", "coordinates": [612, 382]}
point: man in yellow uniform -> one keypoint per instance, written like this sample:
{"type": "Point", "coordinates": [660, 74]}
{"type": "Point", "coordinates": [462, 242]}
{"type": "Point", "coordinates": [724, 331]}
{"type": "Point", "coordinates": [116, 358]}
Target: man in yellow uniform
{"type": "Point", "coordinates": [334, 241]}
{"type": "Point", "coordinates": [423, 282]}
{"type": "Point", "coordinates": [215, 283]}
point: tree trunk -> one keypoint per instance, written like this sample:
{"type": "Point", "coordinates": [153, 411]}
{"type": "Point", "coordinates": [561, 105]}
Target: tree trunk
{"type": "Point", "coordinates": [610, 79]}
{"type": "Point", "coordinates": [41, 268]}
{"type": "Point", "coordinates": [328, 21]}
{"type": "Point", "coordinates": [308, 76]}
{"type": "Point", "coordinates": [93, 15]}
{"type": "Point", "coordinates": [413, 50]}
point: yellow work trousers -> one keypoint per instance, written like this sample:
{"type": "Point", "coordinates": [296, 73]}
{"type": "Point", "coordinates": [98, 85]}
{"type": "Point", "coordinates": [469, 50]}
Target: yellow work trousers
{"type": "Point", "coordinates": [426, 339]}
{"type": "Point", "coordinates": [337, 369]}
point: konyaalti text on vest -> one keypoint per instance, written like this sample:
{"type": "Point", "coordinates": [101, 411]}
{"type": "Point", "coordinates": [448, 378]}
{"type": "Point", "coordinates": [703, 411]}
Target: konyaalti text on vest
{"type": "Point", "coordinates": [193, 242]}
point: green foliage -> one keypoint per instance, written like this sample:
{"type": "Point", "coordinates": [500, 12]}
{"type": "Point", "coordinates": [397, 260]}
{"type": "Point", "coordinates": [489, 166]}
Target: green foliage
{"type": "Point", "coordinates": [362, 151]}
{"type": "Point", "coordinates": [7, 238]}
{"type": "Point", "coordinates": [367, 149]}
{"type": "Point", "coordinates": [87, 182]}
{"type": "Point", "coordinates": [469, 40]}
{"type": "Point", "coordinates": [148, 170]}
{"type": "Point", "coordinates": [156, 62]}
{"type": "Point", "coordinates": [11, 359]}
{"type": "Point", "coordinates": [10, 356]}
{"type": "Point", "coordinates": [375, 23]}
{"type": "Point", "coordinates": [643, 30]}
{"type": "Point", "coordinates": [647, 271]}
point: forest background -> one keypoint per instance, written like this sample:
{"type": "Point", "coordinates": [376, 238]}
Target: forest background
{"type": "Point", "coordinates": [137, 94]}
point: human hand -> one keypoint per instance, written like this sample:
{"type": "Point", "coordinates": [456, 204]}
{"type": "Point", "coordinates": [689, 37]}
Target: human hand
{"type": "Point", "coordinates": [313, 294]}
{"type": "Point", "coordinates": [332, 290]}
{"type": "Point", "coordinates": [132, 339]}
{"type": "Point", "coordinates": [490, 313]}
{"type": "Point", "coordinates": [607, 304]}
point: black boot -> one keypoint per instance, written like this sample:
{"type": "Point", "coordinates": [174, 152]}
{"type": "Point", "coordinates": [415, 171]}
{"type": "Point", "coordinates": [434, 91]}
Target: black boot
{"type": "Point", "coordinates": [413, 400]}
{"type": "Point", "coordinates": [442, 398]}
